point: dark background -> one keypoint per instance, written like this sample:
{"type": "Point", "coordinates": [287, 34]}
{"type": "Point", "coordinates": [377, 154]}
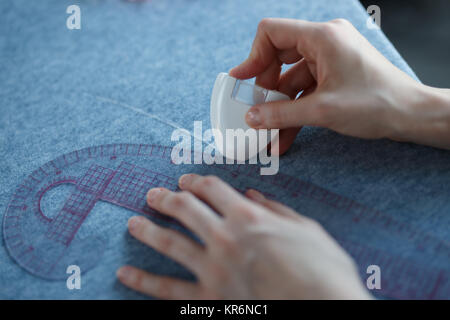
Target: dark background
{"type": "Point", "coordinates": [420, 30]}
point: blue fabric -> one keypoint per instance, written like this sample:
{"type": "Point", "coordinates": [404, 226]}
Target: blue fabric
{"type": "Point", "coordinates": [64, 90]}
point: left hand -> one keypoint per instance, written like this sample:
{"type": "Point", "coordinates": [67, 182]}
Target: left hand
{"type": "Point", "coordinates": [255, 248]}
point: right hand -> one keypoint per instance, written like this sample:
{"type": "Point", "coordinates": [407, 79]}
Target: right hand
{"type": "Point", "coordinates": [348, 86]}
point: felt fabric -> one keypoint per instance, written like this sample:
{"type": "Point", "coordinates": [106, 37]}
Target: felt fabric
{"type": "Point", "coordinates": [64, 90]}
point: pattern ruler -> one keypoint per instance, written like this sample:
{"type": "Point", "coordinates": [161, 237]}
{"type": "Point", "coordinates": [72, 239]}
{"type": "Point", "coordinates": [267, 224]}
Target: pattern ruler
{"type": "Point", "coordinates": [417, 267]}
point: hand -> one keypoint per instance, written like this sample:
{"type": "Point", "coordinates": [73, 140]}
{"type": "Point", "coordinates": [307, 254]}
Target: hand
{"type": "Point", "coordinates": [255, 248]}
{"type": "Point", "coordinates": [348, 86]}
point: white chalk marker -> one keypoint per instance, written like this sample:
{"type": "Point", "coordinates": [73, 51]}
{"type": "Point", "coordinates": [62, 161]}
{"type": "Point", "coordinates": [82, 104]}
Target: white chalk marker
{"type": "Point", "coordinates": [231, 99]}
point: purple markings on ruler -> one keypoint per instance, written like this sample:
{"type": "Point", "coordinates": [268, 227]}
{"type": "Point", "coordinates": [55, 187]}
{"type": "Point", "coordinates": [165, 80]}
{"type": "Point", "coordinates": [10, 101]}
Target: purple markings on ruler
{"type": "Point", "coordinates": [64, 227]}
{"type": "Point", "coordinates": [116, 178]}
{"type": "Point", "coordinates": [126, 187]}
{"type": "Point", "coordinates": [129, 186]}
{"type": "Point", "coordinates": [359, 213]}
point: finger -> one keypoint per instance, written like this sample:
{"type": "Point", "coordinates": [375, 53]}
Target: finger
{"type": "Point", "coordinates": [158, 286]}
{"type": "Point", "coordinates": [285, 139]}
{"type": "Point", "coordinates": [273, 205]}
{"type": "Point", "coordinates": [269, 78]}
{"type": "Point", "coordinates": [273, 35]}
{"type": "Point", "coordinates": [221, 196]}
{"type": "Point", "coordinates": [170, 243]}
{"type": "Point", "coordinates": [184, 207]}
{"type": "Point", "coordinates": [296, 79]}
{"type": "Point", "coordinates": [289, 56]}
{"type": "Point", "coordinates": [287, 114]}
{"type": "Point", "coordinates": [308, 91]}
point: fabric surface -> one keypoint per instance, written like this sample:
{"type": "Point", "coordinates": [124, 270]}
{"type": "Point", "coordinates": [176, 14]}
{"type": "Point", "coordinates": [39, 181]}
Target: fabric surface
{"type": "Point", "coordinates": [65, 90]}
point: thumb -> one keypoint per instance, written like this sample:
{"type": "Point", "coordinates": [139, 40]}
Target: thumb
{"type": "Point", "coordinates": [286, 114]}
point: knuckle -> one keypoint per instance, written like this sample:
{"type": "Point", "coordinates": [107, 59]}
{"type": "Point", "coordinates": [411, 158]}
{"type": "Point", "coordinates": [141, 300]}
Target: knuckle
{"type": "Point", "coordinates": [245, 210]}
{"type": "Point", "coordinates": [180, 200]}
{"type": "Point", "coordinates": [138, 280]}
{"type": "Point", "coordinates": [323, 112]}
{"type": "Point", "coordinates": [334, 29]}
{"type": "Point", "coordinates": [210, 229]}
{"type": "Point", "coordinates": [204, 183]}
{"type": "Point", "coordinates": [211, 180]}
{"type": "Point", "coordinates": [264, 23]}
{"type": "Point", "coordinates": [275, 117]}
{"type": "Point", "coordinates": [257, 54]}
{"type": "Point", "coordinates": [225, 242]}
{"type": "Point", "coordinates": [164, 288]}
{"type": "Point", "coordinates": [163, 240]}
{"type": "Point", "coordinates": [187, 254]}
{"type": "Point", "coordinates": [329, 29]}
{"type": "Point", "coordinates": [341, 22]}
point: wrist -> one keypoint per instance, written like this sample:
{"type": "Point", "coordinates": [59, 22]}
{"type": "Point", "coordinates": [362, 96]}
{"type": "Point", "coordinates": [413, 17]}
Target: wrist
{"type": "Point", "coordinates": [421, 114]}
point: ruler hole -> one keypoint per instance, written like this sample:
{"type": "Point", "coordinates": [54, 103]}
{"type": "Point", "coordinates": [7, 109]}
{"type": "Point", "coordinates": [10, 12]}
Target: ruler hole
{"type": "Point", "coordinates": [54, 198]}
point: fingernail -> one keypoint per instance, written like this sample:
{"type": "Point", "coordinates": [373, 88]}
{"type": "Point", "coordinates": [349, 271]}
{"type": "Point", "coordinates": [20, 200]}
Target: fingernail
{"type": "Point", "coordinates": [153, 194]}
{"type": "Point", "coordinates": [184, 180]}
{"type": "Point", "coordinates": [133, 222]}
{"type": "Point", "coordinates": [124, 273]}
{"type": "Point", "coordinates": [253, 117]}
{"type": "Point", "coordinates": [255, 195]}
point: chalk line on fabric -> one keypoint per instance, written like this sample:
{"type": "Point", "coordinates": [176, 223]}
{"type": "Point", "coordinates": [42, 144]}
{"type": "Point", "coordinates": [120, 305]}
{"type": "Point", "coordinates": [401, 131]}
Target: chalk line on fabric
{"type": "Point", "coordinates": [149, 115]}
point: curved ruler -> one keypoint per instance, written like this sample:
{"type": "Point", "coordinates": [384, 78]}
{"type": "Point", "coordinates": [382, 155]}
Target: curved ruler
{"type": "Point", "coordinates": [417, 266]}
